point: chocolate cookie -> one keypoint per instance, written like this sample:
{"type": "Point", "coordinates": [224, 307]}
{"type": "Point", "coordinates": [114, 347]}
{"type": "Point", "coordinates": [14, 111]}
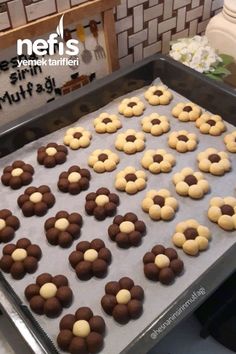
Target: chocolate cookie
{"type": "Point", "coordinates": [8, 225]}
{"type": "Point", "coordinates": [127, 230]}
{"type": "Point", "coordinates": [17, 175]}
{"type": "Point", "coordinates": [36, 201]}
{"type": "Point", "coordinates": [81, 333]}
{"type": "Point", "coordinates": [123, 300]}
{"type": "Point", "coordinates": [49, 295]}
{"type": "Point", "coordinates": [90, 259]}
{"type": "Point", "coordinates": [162, 264]}
{"type": "Point", "coordinates": [52, 155]}
{"type": "Point", "coordinates": [74, 180]}
{"type": "Point", "coordinates": [102, 203]}
{"type": "Point", "coordinates": [20, 258]}
{"type": "Point", "coordinates": [63, 229]}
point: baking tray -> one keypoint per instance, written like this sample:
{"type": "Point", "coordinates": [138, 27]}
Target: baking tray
{"type": "Point", "coordinates": [61, 113]}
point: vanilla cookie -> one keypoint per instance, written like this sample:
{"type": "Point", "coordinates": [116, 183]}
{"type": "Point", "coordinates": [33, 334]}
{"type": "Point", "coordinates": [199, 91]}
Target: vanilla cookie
{"type": "Point", "coordinates": [131, 107]}
{"type": "Point", "coordinates": [210, 124]}
{"type": "Point", "coordinates": [158, 95]}
{"type": "Point", "coordinates": [77, 138]}
{"type": "Point", "coordinates": [103, 160]}
{"type": "Point", "coordinates": [190, 183]}
{"type": "Point", "coordinates": [107, 123]}
{"type": "Point", "coordinates": [214, 161]}
{"type": "Point", "coordinates": [157, 161]}
{"type": "Point", "coordinates": [191, 237]}
{"type": "Point", "coordinates": [223, 212]}
{"type": "Point", "coordinates": [186, 112]}
{"type": "Point", "coordinates": [160, 205]}
{"type": "Point", "coordinates": [130, 142]}
{"type": "Point", "coordinates": [183, 141]}
{"type": "Point", "coordinates": [230, 141]}
{"type": "Point", "coordinates": [155, 124]}
{"type": "Point", "coordinates": [130, 180]}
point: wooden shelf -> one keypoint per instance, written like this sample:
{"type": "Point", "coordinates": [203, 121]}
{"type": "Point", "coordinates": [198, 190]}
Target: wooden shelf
{"type": "Point", "coordinates": [78, 13]}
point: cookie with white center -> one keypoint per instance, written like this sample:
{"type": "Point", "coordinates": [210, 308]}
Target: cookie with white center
{"type": "Point", "coordinates": [101, 203]}
{"type": "Point", "coordinates": [162, 264]}
{"type": "Point", "coordinates": [127, 230]}
{"type": "Point", "coordinates": [51, 155]}
{"type": "Point", "coordinates": [210, 124]}
{"type": "Point", "coordinates": [17, 175]}
{"type": "Point", "coordinates": [130, 180]}
{"type": "Point", "coordinates": [186, 112]}
{"type": "Point", "coordinates": [130, 107]}
{"type": "Point", "coordinates": [9, 223]}
{"type": "Point", "coordinates": [158, 95]}
{"type": "Point", "coordinates": [74, 180]}
{"type": "Point", "coordinates": [213, 161]}
{"type": "Point", "coordinates": [160, 205]}
{"type": "Point", "coordinates": [223, 212]}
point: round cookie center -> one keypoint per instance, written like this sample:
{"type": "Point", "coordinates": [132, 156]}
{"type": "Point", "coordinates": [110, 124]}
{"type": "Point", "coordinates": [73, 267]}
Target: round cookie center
{"type": "Point", "coordinates": [51, 151]}
{"type": "Point", "coordinates": [123, 297]}
{"type": "Point", "coordinates": [158, 93]}
{"type": "Point", "coordinates": [190, 233]}
{"type": "Point", "coordinates": [130, 177]}
{"type": "Point", "coordinates": [101, 200]}
{"type": "Point", "coordinates": [187, 109]}
{"type": "Point", "coordinates": [211, 122]}
{"type": "Point", "coordinates": [183, 138]}
{"type": "Point", "coordinates": [77, 135]}
{"type": "Point", "coordinates": [214, 158]}
{"type": "Point", "coordinates": [16, 172]}
{"type": "Point", "coordinates": [159, 200]}
{"type": "Point", "coordinates": [132, 104]}
{"type": "Point", "coordinates": [127, 227]}
{"type": "Point", "coordinates": [102, 157]}
{"type": "Point", "coordinates": [190, 180]}
{"type": "Point", "coordinates": [48, 290]}
{"type": "Point", "coordinates": [61, 224]}
{"type": "Point", "coordinates": [2, 224]}
{"type": "Point", "coordinates": [81, 329]}
{"type": "Point", "coordinates": [74, 177]}
{"type": "Point", "coordinates": [106, 120]}
{"type": "Point", "coordinates": [19, 254]}
{"type": "Point", "coordinates": [158, 158]}
{"type": "Point", "coordinates": [130, 138]}
{"type": "Point", "coordinates": [90, 255]}
{"type": "Point", "coordinates": [36, 197]}
{"type": "Point", "coordinates": [227, 209]}
{"type": "Point", "coordinates": [155, 121]}
{"type": "Point", "coordinates": [162, 261]}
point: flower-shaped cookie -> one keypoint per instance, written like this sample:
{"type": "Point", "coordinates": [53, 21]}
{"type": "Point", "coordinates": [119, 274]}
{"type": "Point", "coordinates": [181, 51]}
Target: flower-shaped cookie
{"type": "Point", "coordinates": [49, 295]}
{"type": "Point", "coordinates": [63, 229]}
{"type": "Point", "coordinates": [214, 161]}
{"type": "Point", "coordinates": [186, 112]}
{"type": "Point", "coordinates": [183, 141]}
{"type": "Point", "coordinates": [190, 183]}
{"type": "Point", "coordinates": [223, 212]}
{"type": "Point", "coordinates": [8, 225]}
{"type": "Point", "coordinates": [127, 230]}
{"type": "Point", "coordinates": [81, 333]}
{"type": "Point", "coordinates": [103, 160]}
{"type": "Point", "coordinates": [130, 107]}
{"type": "Point", "coordinates": [77, 138]}
{"type": "Point", "coordinates": [74, 180]}
{"type": "Point", "coordinates": [107, 123]}
{"type": "Point", "coordinates": [230, 141]}
{"type": "Point", "coordinates": [155, 124]}
{"type": "Point", "coordinates": [160, 205]}
{"type": "Point", "coordinates": [101, 203]}
{"type": "Point", "coordinates": [210, 124]}
{"type": "Point", "coordinates": [52, 155]}
{"type": "Point", "coordinates": [90, 259]}
{"type": "Point", "coordinates": [158, 95]}
{"type": "Point", "coordinates": [130, 142]}
{"type": "Point", "coordinates": [123, 300]}
{"type": "Point", "coordinates": [17, 175]}
{"type": "Point", "coordinates": [191, 237]}
{"type": "Point", "coordinates": [36, 201]}
{"type": "Point", "coordinates": [162, 264]}
{"type": "Point", "coordinates": [157, 161]}
{"type": "Point", "coordinates": [130, 180]}
{"type": "Point", "coordinates": [20, 258]}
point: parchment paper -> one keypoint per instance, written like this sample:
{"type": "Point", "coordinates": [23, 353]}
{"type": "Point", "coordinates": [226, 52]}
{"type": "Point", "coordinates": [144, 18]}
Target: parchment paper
{"type": "Point", "coordinates": [125, 262]}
